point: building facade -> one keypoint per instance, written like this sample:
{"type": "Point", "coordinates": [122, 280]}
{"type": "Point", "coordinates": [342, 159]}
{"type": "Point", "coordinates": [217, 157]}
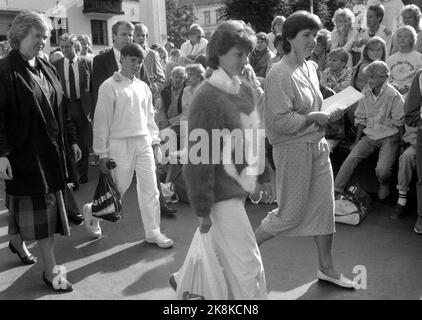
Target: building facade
{"type": "Point", "coordinates": [207, 13]}
{"type": "Point", "coordinates": [92, 17]}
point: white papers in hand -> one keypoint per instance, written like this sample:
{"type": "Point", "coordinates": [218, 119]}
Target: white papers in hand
{"type": "Point", "coordinates": [342, 100]}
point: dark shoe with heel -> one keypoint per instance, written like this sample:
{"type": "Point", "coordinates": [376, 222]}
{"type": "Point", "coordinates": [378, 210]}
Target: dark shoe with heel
{"type": "Point", "coordinates": [25, 259]}
{"type": "Point", "coordinates": [398, 212]}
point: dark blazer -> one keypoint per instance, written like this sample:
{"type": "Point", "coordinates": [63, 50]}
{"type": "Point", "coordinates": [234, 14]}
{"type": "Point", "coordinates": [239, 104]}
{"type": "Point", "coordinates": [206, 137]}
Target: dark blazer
{"type": "Point", "coordinates": [166, 98]}
{"type": "Point", "coordinates": [38, 160]}
{"type": "Point", "coordinates": [104, 66]}
{"type": "Point", "coordinates": [85, 81]}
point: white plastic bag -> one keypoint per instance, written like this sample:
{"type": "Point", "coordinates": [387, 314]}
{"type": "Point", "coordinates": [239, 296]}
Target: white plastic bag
{"type": "Point", "coordinates": [201, 276]}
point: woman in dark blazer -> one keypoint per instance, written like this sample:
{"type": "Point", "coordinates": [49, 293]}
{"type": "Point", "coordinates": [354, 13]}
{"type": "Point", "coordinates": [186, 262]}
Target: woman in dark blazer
{"type": "Point", "coordinates": [35, 133]}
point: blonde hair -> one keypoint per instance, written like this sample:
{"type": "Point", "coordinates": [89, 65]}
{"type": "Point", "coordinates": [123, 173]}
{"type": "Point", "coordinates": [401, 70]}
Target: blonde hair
{"type": "Point", "coordinates": [346, 12]}
{"type": "Point", "coordinates": [22, 25]}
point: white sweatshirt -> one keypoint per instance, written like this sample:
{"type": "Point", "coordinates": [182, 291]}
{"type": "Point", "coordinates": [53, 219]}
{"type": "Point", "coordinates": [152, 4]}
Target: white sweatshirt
{"type": "Point", "coordinates": [124, 109]}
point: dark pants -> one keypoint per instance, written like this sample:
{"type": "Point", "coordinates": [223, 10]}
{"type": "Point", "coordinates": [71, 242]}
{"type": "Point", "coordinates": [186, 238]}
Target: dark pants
{"type": "Point", "coordinates": [419, 171]}
{"type": "Point", "coordinates": [84, 134]}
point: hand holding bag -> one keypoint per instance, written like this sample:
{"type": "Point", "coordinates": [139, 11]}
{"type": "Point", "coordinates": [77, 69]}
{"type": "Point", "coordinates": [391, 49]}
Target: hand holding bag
{"type": "Point", "coordinates": [201, 276]}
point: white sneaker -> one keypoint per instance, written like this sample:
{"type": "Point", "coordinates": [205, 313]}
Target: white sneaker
{"type": "Point", "coordinates": [91, 224]}
{"type": "Point", "coordinates": [161, 240]}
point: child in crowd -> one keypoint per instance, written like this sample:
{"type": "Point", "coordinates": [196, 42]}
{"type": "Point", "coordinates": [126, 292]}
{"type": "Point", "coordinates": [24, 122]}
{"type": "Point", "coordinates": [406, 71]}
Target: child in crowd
{"type": "Point", "coordinates": [278, 43]}
{"type": "Point", "coordinates": [173, 62]}
{"type": "Point", "coordinates": [195, 75]}
{"type": "Point", "coordinates": [411, 16]}
{"type": "Point", "coordinates": [380, 116]}
{"type": "Point", "coordinates": [406, 62]}
{"type": "Point", "coordinates": [374, 16]}
{"type": "Point", "coordinates": [344, 35]}
{"type": "Point", "coordinates": [276, 28]}
{"type": "Point", "coordinates": [392, 12]}
{"type": "Point", "coordinates": [322, 47]}
{"type": "Point", "coordinates": [407, 165]}
{"type": "Point", "coordinates": [374, 49]}
{"type": "Point", "coordinates": [337, 76]}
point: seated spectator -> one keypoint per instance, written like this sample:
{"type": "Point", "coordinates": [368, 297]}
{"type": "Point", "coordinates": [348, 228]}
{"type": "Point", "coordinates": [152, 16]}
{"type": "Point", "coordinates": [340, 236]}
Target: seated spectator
{"type": "Point", "coordinates": [276, 28]}
{"type": "Point", "coordinates": [171, 97]}
{"type": "Point", "coordinates": [261, 56]}
{"type": "Point", "coordinates": [392, 10]}
{"type": "Point", "coordinates": [86, 43]}
{"type": "Point", "coordinates": [375, 49]}
{"type": "Point", "coordinates": [163, 55]}
{"type": "Point", "coordinates": [196, 45]}
{"type": "Point", "coordinates": [343, 35]}
{"type": "Point", "coordinates": [322, 47]}
{"type": "Point", "coordinates": [337, 76]}
{"type": "Point", "coordinates": [374, 16]}
{"type": "Point", "coordinates": [407, 165]}
{"type": "Point", "coordinates": [406, 62]}
{"type": "Point", "coordinates": [195, 75]}
{"type": "Point", "coordinates": [171, 64]}
{"type": "Point", "coordinates": [380, 116]}
{"type": "Point", "coordinates": [411, 15]}
{"type": "Point", "coordinates": [4, 48]}
{"type": "Point", "coordinates": [278, 43]}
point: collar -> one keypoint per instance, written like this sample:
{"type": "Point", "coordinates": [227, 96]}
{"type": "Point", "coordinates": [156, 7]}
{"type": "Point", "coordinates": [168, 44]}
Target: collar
{"type": "Point", "coordinates": [119, 77]}
{"type": "Point", "coordinates": [116, 53]}
{"type": "Point", "coordinates": [75, 58]}
{"type": "Point", "coordinates": [222, 81]}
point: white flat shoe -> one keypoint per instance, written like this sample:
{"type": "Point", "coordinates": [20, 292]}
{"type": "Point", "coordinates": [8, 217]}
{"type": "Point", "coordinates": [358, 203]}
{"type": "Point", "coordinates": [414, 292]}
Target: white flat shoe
{"type": "Point", "coordinates": [342, 282]}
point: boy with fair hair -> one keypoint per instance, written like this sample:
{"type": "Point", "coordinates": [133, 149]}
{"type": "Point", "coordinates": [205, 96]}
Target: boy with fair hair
{"type": "Point", "coordinates": [380, 116]}
{"type": "Point", "coordinates": [337, 76]}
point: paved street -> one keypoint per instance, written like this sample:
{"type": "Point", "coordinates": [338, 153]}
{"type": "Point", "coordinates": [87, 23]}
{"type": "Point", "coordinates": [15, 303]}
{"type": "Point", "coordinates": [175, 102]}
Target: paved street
{"type": "Point", "coordinates": [121, 265]}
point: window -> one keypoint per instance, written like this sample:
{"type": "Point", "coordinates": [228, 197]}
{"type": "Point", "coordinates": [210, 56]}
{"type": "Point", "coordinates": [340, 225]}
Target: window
{"type": "Point", "coordinates": [59, 27]}
{"type": "Point", "coordinates": [99, 32]}
{"type": "Point", "coordinates": [207, 18]}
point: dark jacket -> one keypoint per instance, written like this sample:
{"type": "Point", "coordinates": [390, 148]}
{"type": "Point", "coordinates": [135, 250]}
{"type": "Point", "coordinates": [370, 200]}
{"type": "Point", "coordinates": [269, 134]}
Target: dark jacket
{"type": "Point", "coordinates": [166, 98]}
{"type": "Point", "coordinates": [85, 81]}
{"type": "Point", "coordinates": [38, 160]}
{"type": "Point", "coordinates": [412, 112]}
{"type": "Point", "coordinates": [104, 66]}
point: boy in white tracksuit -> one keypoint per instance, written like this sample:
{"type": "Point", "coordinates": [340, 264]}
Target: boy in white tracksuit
{"type": "Point", "coordinates": [125, 131]}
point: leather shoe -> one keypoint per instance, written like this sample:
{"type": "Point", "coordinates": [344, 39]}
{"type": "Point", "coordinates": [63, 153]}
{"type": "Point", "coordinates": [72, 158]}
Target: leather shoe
{"type": "Point", "coordinates": [76, 218]}
{"type": "Point", "coordinates": [418, 226]}
{"type": "Point", "coordinates": [342, 282]}
{"type": "Point", "coordinates": [398, 212]}
{"type": "Point", "coordinates": [166, 210]}
{"type": "Point", "coordinates": [25, 259]}
{"type": "Point", "coordinates": [66, 286]}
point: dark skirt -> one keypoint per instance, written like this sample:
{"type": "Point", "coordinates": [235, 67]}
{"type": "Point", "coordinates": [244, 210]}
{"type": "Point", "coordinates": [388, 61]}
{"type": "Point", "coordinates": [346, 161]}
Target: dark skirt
{"type": "Point", "coordinates": [37, 217]}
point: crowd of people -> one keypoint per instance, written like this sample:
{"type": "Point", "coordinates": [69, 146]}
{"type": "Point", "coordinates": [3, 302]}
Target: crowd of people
{"type": "Point", "coordinates": [61, 113]}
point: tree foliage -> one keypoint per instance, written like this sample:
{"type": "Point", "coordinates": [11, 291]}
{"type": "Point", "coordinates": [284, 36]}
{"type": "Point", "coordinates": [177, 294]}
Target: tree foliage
{"type": "Point", "coordinates": [259, 14]}
{"type": "Point", "coordinates": [179, 19]}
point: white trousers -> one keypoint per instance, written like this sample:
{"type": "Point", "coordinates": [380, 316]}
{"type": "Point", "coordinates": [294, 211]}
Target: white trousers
{"type": "Point", "coordinates": [135, 154]}
{"type": "Point", "coordinates": [237, 251]}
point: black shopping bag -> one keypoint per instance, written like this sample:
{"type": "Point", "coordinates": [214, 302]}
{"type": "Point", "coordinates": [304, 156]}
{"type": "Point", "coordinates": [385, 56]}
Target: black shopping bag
{"type": "Point", "coordinates": [107, 204]}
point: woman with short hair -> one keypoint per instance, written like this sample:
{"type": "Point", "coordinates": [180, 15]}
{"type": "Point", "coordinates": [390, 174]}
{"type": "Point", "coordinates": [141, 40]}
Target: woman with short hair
{"type": "Point", "coordinates": [86, 44]}
{"type": "Point", "coordinates": [35, 133]}
{"type": "Point", "coordinates": [411, 16]}
{"type": "Point", "coordinates": [217, 189]}
{"type": "Point", "coordinates": [295, 128]}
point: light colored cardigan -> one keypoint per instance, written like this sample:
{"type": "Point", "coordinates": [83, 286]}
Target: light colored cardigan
{"type": "Point", "coordinates": [289, 97]}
